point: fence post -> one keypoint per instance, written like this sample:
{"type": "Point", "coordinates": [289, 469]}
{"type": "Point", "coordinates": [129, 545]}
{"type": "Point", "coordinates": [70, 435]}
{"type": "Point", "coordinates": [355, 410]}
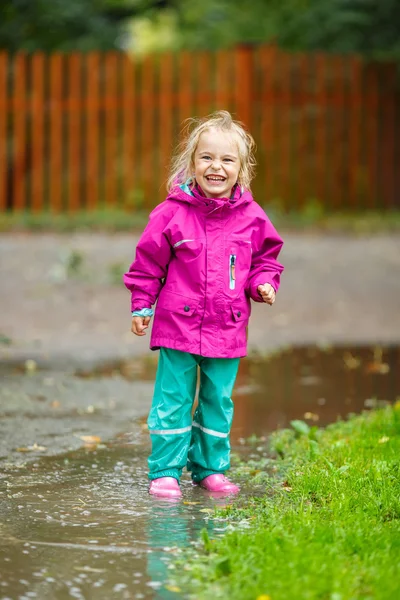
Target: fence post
{"type": "Point", "coordinates": [3, 130]}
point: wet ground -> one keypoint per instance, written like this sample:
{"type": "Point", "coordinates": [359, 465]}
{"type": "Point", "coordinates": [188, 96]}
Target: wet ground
{"type": "Point", "coordinates": [82, 525]}
{"type": "Point", "coordinates": [75, 517]}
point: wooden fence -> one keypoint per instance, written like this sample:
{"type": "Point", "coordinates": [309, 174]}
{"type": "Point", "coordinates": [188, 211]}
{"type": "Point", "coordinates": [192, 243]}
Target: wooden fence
{"type": "Point", "coordinates": [85, 131]}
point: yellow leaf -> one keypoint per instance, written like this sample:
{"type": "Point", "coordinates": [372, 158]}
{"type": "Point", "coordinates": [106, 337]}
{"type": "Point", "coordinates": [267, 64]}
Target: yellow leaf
{"type": "Point", "coordinates": [190, 503]}
{"type": "Point", "coordinates": [383, 439]}
{"type": "Point", "coordinates": [264, 597]}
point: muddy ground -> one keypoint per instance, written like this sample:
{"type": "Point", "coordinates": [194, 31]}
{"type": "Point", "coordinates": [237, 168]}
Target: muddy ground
{"type": "Point", "coordinates": [64, 309]}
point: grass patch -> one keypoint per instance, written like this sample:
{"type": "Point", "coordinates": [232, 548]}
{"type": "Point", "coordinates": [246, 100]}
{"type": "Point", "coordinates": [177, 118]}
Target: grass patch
{"type": "Point", "coordinates": [327, 528]}
{"type": "Point", "coordinates": [102, 220]}
{"type": "Point", "coordinates": [311, 218]}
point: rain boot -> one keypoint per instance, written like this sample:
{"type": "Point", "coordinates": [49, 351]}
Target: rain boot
{"type": "Point", "coordinates": [165, 487]}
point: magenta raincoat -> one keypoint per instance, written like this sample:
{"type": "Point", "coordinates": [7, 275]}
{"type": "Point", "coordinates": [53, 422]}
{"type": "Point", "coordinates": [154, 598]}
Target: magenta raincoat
{"type": "Point", "coordinates": [202, 260]}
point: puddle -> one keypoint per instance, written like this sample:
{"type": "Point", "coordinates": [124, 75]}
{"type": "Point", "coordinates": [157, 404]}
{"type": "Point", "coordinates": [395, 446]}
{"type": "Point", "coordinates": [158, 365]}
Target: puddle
{"type": "Point", "coordinates": [313, 384]}
{"type": "Point", "coordinates": [82, 525]}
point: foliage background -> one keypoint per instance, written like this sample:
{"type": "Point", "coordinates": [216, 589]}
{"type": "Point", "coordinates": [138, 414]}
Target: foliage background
{"type": "Point", "coordinates": [368, 27]}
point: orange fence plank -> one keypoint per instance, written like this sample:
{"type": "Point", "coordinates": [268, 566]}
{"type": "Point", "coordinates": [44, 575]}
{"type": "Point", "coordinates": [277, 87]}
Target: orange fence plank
{"type": "Point", "coordinates": [337, 180]}
{"type": "Point", "coordinates": [354, 130]}
{"type": "Point", "coordinates": [56, 133]}
{"type": "Point", "coordinates": [203, 98]}
{"type": "Point", "coordinates": [166, 116]}
{"type": "Point", "coordinates": [19, 133]}
{"type": "Point", "coordinates": [147, 134]}
{"type": "Point", "coordinates": [387, 159]}
{"type": "Point", "coordinates": [302, 155]}
{"type": "Point", "coordinates": [3, 130]}
{"type": "Point", "coordinates": [111, 128]}
{"type": "Point", "coordinates": [321, 68]}
{"type": "Point", "coordinates": [222, 83]}
{"type": "Point", "coordinates": [128, 130]}
{"type": "Point", "coordinates": [185, 68]}
{"type": "Point", "coordinates": [371, 141]}
{"type": "Point", "coordinates": [74, 130]}
{"type": "Point", "coordinates": [267, 59]}
{"type": "Point", "coordinates": [37, 127]}
{"type": "Point", "coordinates": [285, 128]}
{"type": "Point", "coordinates": [92, 172]}
{"type": "Point", "coordinates": [244, 90]}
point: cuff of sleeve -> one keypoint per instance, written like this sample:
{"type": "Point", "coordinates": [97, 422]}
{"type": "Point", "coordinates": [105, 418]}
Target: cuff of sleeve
{"type": "Point", "coordinates": [144, 312]}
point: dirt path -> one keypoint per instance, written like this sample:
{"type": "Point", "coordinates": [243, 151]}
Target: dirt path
{"type": "Point", "coordinates": [61, 300]}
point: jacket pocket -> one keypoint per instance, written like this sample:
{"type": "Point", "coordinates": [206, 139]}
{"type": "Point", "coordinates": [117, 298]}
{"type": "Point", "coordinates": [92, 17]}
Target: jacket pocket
{"type": "Point", "coordinates": [237, 263]}
{"type": "Point", "coordinates": [177, 303]}
{"type": "Point", "coordinates": [240, 311]}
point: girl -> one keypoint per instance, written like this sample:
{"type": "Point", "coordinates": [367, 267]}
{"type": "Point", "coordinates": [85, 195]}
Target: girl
{"type": "Point", "coordinates": [207, 249]}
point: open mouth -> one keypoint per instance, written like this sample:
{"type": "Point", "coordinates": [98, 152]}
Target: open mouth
{"type": "Point", "coordinates": [215, 178]}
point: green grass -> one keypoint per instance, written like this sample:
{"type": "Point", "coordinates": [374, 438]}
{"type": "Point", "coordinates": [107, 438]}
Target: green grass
{"type": "Point", "coordinates": [311, 218]}
{"type": "Point", "coordinates": [101, 220]}
{"type": "Point", "coordinates": [327, 527]}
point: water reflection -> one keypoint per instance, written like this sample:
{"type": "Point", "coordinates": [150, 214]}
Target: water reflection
{"type": "Point", "coordinates": [314, 384]}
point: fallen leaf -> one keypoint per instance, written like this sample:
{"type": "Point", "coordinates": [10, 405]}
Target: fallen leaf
{"type": "Point", "coordinates": [30, 365]}
{"type": "Point", "coordinates": [90, 439]}
{"type": "Point", "coordinates": [55, 404]}
{"type": "Point", "coordinates": [87, 569]}
{"type": "Point", "coordinates": [311, 416]}
{"type": "Point", "coordinates": [33, 448]}
{"type": "Point", "coordinates": [351, 362]}
{"type": "Point", "coordinates": [172, 588]}
{"type": "Point", "coordinates": [264, 597]}
{"type": "Point", "coordinates": [206, 510]}
{"type": "Point", "coordinates": [383, 439]}
{"type": "Point", "coordinates": [190, 503]}
{"type": "Point", "coordinates": [377, 367]}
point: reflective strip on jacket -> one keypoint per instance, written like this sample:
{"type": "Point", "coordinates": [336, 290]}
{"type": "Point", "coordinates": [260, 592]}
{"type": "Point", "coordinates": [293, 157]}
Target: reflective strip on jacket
{"type": "Point", "coordinates": [202, 259]}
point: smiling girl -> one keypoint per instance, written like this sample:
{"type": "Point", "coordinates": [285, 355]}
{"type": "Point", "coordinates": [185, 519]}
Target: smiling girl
{"type": "Point", "coordinates": [207, 250]}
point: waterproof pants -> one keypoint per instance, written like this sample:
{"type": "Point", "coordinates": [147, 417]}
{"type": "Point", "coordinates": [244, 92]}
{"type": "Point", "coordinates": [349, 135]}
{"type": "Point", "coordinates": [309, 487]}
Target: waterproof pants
{"type": "Point", "coordinates": [202, 444]}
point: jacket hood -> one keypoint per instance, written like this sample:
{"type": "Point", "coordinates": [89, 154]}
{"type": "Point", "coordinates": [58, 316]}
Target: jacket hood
{"type": "Point", "coordinates": [194, 196]}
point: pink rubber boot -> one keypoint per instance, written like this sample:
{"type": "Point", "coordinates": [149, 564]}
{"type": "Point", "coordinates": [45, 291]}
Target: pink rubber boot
{"type": "Point", "coordinates": [165, 487]}
{"type": "Point", "coordinates": [219, 483]}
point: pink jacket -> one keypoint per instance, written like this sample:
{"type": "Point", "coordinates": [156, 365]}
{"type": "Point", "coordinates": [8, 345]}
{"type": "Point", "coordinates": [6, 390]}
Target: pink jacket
{"type": "Point", "coordinates": [202, 259]}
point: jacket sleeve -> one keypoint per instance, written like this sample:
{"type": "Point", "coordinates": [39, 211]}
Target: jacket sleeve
{"type": "Point", "coordinates": [153, 253]}
{"type": "Point", "coordinates": [264, 265]}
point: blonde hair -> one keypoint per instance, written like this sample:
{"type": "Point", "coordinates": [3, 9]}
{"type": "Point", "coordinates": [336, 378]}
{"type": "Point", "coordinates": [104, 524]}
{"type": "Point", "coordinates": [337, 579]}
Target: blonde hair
{"type": "Point", "coordinates": [182, 164]}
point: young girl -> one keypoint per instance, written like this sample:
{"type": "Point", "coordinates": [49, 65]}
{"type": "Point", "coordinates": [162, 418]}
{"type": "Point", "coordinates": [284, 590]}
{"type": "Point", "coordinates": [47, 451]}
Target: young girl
{"type": "Point", "coordinates": [207, 250]}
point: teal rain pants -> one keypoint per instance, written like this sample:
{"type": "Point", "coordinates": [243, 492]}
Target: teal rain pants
{"type": "Point", "coordinates": [202, 444]}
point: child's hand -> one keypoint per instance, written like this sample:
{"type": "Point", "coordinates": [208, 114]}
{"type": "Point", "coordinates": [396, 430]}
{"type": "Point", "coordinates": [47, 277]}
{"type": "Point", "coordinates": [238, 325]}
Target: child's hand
{"type": "Point", "coordinates": [139, 324]}
{"type": "Point", "coordinates": [267, 293]}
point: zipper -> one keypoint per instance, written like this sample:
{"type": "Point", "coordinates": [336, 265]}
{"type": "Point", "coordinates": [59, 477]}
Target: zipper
{"type": "Point", "coordinates": [232, 271]}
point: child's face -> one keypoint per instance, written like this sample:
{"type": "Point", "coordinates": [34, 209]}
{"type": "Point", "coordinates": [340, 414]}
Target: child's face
{"type": "Point", "coordinates": [216, 163]}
